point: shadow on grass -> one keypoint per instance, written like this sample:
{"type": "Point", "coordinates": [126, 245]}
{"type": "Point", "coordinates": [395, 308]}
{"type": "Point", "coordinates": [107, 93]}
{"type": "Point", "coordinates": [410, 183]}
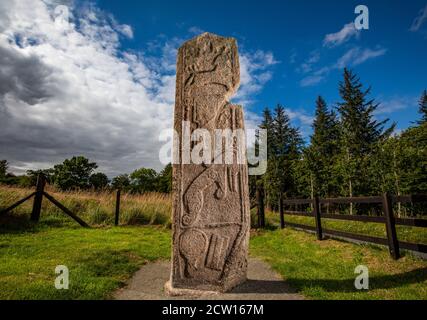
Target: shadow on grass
{"type": "Point", "coordinates": [332, 285]}
{"type": "Point", "coordinates": [109, 262]}
{"type": "Point", "coordinates": [12, 223]}
{"type": "Point", "coordinates": [21, 223]}
{"type": "Point", "coordinates": [264, 287]}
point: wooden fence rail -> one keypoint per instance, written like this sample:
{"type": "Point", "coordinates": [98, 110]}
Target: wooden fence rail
{"type": "Point", "coordinates": [387, 219]}
{"type": "Point", "coordinates": [37, 204]}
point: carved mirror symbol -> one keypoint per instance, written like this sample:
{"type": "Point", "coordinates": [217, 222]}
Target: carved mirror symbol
{"type": "Point", "coordinates": [192, 246]}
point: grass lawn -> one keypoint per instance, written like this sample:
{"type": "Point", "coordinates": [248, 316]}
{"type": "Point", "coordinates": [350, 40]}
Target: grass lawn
{"type": "Point", "coordinates": [99, 260]}
{"type": "Point", "coordinates": [325, 269]}
{"type": "Point", "coordinates": [102, 258]}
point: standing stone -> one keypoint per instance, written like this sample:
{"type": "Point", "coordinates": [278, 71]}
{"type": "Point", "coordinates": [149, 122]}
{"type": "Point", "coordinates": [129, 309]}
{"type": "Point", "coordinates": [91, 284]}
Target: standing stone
{"type": "Point", "coordinates": [211, 218]}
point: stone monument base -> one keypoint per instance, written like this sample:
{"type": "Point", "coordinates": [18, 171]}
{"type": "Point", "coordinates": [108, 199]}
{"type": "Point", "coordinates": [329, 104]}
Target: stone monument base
{"type": "Point", "coordinates": [209, 290]}
{"type": "Point", "coordinates": [179, 292]}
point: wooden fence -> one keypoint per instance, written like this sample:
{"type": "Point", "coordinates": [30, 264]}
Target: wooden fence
{"type": "Point", "coordinates": [38, 199]}
{"type": "Point", "coordinates": [388, 219]}
{"type": "Point", "coordinates": [37, 203]}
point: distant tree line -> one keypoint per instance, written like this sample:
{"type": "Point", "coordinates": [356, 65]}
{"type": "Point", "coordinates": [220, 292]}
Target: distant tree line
{"type": "Point", "coordinates": [350, 152]}
{"type": "Point", "coordinates": [78, 173]}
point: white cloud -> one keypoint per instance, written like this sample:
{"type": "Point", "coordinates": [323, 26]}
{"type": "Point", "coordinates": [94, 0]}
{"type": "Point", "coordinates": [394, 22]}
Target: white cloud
{"type": "Point", "coordinates": [126, 30]}
{"type": "Point", "coordinates": [346, 33]}
{"type": "Point", "coordinates": [196, 30]}
{"type": "Point", "coordinates": [419, 20]}
{"type": "Point", "coordinates": [68, 89]}
{"type": "Point", "coordinates": [301, 116]}
{"type": "Point", "coordinates": [396, 103]}
{"type": "Point", "coordinates": [293, 57]}
{"type": "Point", "coordinates": [255, 72]}
{"type": "Point", "coordinates": [88, 97]}
{"type": "Point", "coordinates": [350, 58]}
{"type": "Point", "coordinates": [307, 66]}
{"type": "Point", "coordinates": [356, 56]}
{"type": "Point", "coordinates": [311, 80]}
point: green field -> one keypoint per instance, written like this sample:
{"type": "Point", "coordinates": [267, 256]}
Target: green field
{"type": "Point", "coordinates": [325, 269]}
{"type": "Point", "coordinates": [99, 260]}
{"type": "Point", "coordinates": [102, 258]}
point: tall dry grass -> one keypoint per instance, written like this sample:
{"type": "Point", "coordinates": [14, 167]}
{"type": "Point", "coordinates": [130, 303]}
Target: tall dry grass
{"type": "Point", "coordinates": [96, 208]}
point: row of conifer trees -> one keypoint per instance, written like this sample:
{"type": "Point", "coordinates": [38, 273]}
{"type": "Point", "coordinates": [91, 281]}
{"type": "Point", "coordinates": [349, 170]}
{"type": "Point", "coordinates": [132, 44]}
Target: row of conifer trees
{"type": "Point", "coordinates": [350, 152]}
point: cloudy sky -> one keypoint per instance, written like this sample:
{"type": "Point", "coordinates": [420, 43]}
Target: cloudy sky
{"type": "Point", "coordinates": [97, 78]}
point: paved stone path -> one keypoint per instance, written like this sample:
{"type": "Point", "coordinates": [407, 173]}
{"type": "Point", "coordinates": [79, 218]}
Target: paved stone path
{"type": "Point", "coordinates": [263, 284]}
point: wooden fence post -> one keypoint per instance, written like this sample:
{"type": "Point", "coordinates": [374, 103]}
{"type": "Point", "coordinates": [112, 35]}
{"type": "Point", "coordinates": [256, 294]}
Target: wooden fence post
{"type": "Point", "coordinates": [316, 211]}
{"type": "Point", "coordinates": [38, 198]}
{"type": "Point", "coordinates": [393, 243]}
{"type": "Point", "coordinates": [282, 212]}
{"type": "Point", "coordinates": [116, 222]}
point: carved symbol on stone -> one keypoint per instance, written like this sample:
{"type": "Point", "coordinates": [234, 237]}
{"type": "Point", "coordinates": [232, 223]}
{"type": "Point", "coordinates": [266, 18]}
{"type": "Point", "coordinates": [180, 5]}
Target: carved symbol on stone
{"type": "Point", "coordinates": [232, 178]}
{"type": "Point", "coordinates": [217, 252]}
{"type": "Point", "coordinates": [192, 246]}
{"type": "Point", "coordinates": [194, 196]}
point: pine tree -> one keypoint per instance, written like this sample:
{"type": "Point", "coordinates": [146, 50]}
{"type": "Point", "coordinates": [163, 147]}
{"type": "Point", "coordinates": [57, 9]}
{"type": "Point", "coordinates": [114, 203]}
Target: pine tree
{"type": "Point", "coordinates": [360, 129]}
{"type": "Point", "coordinates": [286, 145]}
{"type": "Point", "coordinates": [284, 148]}
{"type": "Point", "coordinates": [267, 124]}
{"type": "Point", "coordinates": [360, 134]}
{"type": "Point", "coordinates": [423, 108]}
{"type": "Point", "coordinates": [261, 187]}
{"type": "Point", "coordinates": [323, 149]}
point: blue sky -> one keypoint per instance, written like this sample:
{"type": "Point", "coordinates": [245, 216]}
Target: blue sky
{"type": "Point", "coordinates": [294, 32]}
{"type": "Point", "coordinates": [97, 78]}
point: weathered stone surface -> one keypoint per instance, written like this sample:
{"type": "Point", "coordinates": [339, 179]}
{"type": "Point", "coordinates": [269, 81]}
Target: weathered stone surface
{"type": "Point", "coordinates": [211, 218]}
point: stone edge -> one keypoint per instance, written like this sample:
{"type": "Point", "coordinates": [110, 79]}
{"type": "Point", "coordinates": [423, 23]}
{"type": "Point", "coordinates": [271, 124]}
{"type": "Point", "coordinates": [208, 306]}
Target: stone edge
{"type": "Point", "coordinates": [180, 292]}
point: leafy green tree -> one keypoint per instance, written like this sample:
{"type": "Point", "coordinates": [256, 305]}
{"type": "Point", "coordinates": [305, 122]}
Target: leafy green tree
{"type": "Point", "coordinates": [121, 182]}
{"type": "Point", "coordinates": [7, 178]}
{"type": "Point", "coordinates": [143, 180]}
{"type": "Point", "coordinates": [164, 180]}
{"type": "Point", "coordinates": [402, 166]}
{"type": "Point", "coordinates": [414, 164]}
{"type": "Point", "coordinates": [3, 168]}
{"type": "Point", "coordinates": [74, 173]}
{"type": "Point", "coordinates": [33, 175]}
{"type": "Point", "coordinates": [99, 181]}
